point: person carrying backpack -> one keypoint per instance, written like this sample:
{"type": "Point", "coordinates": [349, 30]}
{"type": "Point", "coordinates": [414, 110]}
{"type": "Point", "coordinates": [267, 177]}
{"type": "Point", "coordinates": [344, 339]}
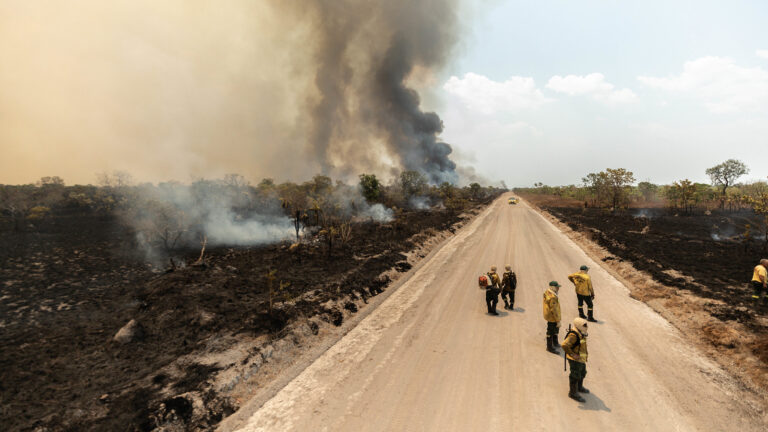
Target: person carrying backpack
{"type": "Point", "coordinates": [575, 347]}
{"type": "Point", "coordinates": [492, 291]}
{"type": "Point", "coordinates": [508, 285]}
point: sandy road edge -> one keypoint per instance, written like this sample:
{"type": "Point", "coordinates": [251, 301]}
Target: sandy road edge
{"type": "Point", "coordinates": [754, 396]}
{"type": "Point", "coordinates": [241, 416]}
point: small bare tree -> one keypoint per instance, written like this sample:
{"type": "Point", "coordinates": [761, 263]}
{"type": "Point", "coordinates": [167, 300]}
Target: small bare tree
{"type": "Point", "coordinates": [345, 233]}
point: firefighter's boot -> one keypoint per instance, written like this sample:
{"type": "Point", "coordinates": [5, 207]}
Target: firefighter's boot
{"type": "Point", "coordinates": [555, 344]}
{"type": "Point", "coordinates": [581, 387]}
{"type": "Point", "coordinates": [550, 347]}
{"type": "Point", "coordinates": [581, 312]}
{"type": "Point", "coordinates": [591, 317]}
{"type": "Point", "coordinates": [574, 391]}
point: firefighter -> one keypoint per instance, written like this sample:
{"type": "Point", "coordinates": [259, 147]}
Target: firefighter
{"type": "Point", "coordinates": [575, 347]}
{"type": "Point", "coordinates": [760, 281]}
{"type": "Point", "coordinates": [492, 291]}
{"type": "Point", "coordinates": [584, 292]}
{"type": "Point", "coordinates": [552, 315]}
{"type": "Point", "coordinates": [508, 285]}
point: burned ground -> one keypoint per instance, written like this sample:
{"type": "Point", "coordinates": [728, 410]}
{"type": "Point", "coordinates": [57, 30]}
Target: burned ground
{"type": "Point", "coordinates": [704, 254]}
{"type": "Point", "coordinates": [694, 270]}
{"type": "Point", "coordinates": [70, 282]}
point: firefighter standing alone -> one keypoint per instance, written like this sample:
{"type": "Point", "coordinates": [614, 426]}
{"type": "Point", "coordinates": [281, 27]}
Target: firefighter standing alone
{"type": "Point", "coordinates": [584, 292]}
{"type": "Point", "coordinates": [552, 315]}
{"type": "Point", "coordinates": [760, 281]}
{"type": "Point", "coordinates": [575, 347]}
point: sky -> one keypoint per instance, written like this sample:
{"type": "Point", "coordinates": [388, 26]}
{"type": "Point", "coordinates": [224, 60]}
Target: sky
{"type": "Point", "coordinates": [551, 90]}
{"type": "Point", "coordinates": [534, 91]}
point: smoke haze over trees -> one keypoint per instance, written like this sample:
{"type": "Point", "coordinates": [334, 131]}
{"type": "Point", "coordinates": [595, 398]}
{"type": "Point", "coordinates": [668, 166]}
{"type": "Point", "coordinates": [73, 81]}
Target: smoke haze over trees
{"type": "Point", "coordinates": [173, 90]}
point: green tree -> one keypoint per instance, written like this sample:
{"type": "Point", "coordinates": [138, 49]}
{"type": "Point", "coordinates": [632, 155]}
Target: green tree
{"type": "Point", "coordinates": [597, 183]}
{"type": "Point", "coordinates": [726, 174]}
{"type": "Point", "coordinates": [412, 183]}
{"type": "Point", "coordinates": [648, 190]}
{"type": "Point", "coordinates": [684, 192]}
{"type": "Point", "coordinates": [370, 186]}
{"type": "Point", "coordinates": [320, 185]}
{"type": "Point", "coordinates": [619, 180]}
{"type": "Point", "coordinates": [475, 190]}
{"type": "Point", "coordinates": [50, 181]}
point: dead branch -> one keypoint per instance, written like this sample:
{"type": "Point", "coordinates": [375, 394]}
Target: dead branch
{"type": "Point", "coordinates": [201, 261]}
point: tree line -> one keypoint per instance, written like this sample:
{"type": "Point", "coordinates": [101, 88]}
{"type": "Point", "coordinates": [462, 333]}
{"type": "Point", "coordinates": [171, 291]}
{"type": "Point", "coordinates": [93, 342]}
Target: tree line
{"type": "Point", "coordinates": [616, 188]}
{"type": "Point", "coordinates": [168, 214]}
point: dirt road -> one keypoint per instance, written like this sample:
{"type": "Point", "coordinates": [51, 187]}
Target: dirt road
{"type": "Point", "coordinates": [429, 358]}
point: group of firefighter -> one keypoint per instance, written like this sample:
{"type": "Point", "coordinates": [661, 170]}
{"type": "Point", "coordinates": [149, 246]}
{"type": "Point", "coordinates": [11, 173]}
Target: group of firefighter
{"type": "Point", "coordinates": [575, 343]}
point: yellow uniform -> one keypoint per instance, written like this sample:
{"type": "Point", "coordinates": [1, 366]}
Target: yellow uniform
{"type": "Point", "coordinates": [551, 307]}
{"type": "Point", "coordinates": [760, 272]}
{"type": "Point", "coordinates": [495, 280]}
{"type": "Point", "coordinates": [573, 351]}
{"type": "Point", "coordinates": [583, 284]}
{"type": "Point", "coordinates": [575, 347]}
{"type": "Point", "coordinates": [759, 279]}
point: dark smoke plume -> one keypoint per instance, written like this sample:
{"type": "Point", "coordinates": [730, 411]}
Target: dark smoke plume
{"type": "Point", "coordinates": [270, 88]}
{"type": "Point", "coordinates": [366, 52]}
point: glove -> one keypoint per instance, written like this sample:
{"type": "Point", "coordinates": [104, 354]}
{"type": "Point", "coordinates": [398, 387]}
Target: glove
{"type": "Point", "coordinates": [593, 296]}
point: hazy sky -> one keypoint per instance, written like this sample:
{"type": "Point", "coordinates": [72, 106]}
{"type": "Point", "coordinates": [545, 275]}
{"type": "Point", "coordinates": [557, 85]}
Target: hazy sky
{"type": "Point", "coordinates": [551, 90]}
{"type": "Point", "coordinates": [545, 90]}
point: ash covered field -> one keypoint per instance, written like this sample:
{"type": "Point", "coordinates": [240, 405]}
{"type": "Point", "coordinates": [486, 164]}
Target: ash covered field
{"type": "Point", "coordinates": [72, 279]}
{"type": "Point", "coordinates": [704, 254]}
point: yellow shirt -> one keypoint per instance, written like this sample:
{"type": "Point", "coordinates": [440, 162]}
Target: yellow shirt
{"type": "Point", "coordinates": [583, 283]}
{"type": "Point", "coordinates": [551, 306]}
{"type": "Point", "coordinates": [760, 272]}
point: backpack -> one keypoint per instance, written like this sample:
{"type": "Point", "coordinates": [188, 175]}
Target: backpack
{"type": "Point", "coordinates": [483, 281]}
{"type": "Point", "coordinates": [578, 339]}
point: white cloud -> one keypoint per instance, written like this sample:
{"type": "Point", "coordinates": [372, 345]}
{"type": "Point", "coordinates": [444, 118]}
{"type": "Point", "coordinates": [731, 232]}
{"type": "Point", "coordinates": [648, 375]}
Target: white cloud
{"type": "Point", "coordinates": [762, 53]}
{"type": "Point", "coordinates": [721, 85]}
{"type": "Point", "coordinates": [593, 85]}
{"type": "Point", "coordinates": [482, 94]}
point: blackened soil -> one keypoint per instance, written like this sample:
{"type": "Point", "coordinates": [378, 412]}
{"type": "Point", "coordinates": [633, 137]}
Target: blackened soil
{"type": "Point", "coordinates": [70, 282]}
{"type": "Point", "coordinates": [709, 251]}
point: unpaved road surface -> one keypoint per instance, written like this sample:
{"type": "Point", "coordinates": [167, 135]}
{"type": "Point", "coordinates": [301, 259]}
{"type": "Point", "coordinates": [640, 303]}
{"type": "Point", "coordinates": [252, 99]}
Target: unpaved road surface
{"type": "Point", "coordinates": [430, 359]}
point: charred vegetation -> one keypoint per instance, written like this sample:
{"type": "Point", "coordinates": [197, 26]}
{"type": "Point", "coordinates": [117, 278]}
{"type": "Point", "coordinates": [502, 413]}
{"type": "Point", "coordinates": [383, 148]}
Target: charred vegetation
{"type": "Point", "coordinates": [105, 255]}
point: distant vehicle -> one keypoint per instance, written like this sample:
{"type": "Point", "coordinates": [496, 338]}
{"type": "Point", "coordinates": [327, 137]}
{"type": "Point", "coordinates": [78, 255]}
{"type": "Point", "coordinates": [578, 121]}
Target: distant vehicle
{"type": "Point", "coordinates": [513, 200]}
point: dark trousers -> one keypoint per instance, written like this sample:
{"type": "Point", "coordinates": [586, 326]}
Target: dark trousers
{"type": "Point", "coordinates": [584, 299]}
{"type": "Point", "coordinates": [759, 289]}
{"type": "Point", "coordinates": [510, 294]}
{"type": "Point", "coordinates": [578, 370]}
{"type": "Point", "coordinates": [552, 328]}
{"type": "Point", "coordinates": [491, 299]}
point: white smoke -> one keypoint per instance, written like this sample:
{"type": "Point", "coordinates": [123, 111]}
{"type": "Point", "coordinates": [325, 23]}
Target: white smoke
{"type": "Point", "coordinates": [419, 203]}
{"type": "Point", "coordinates": [378, 213]}
{"type": "Point", "coordinates": [223, 227]}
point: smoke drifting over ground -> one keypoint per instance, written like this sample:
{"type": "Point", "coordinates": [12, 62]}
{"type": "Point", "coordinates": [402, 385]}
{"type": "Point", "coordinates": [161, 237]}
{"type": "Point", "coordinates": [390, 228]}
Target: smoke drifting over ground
{"type": "Point", "coordinates": [174, 90]}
